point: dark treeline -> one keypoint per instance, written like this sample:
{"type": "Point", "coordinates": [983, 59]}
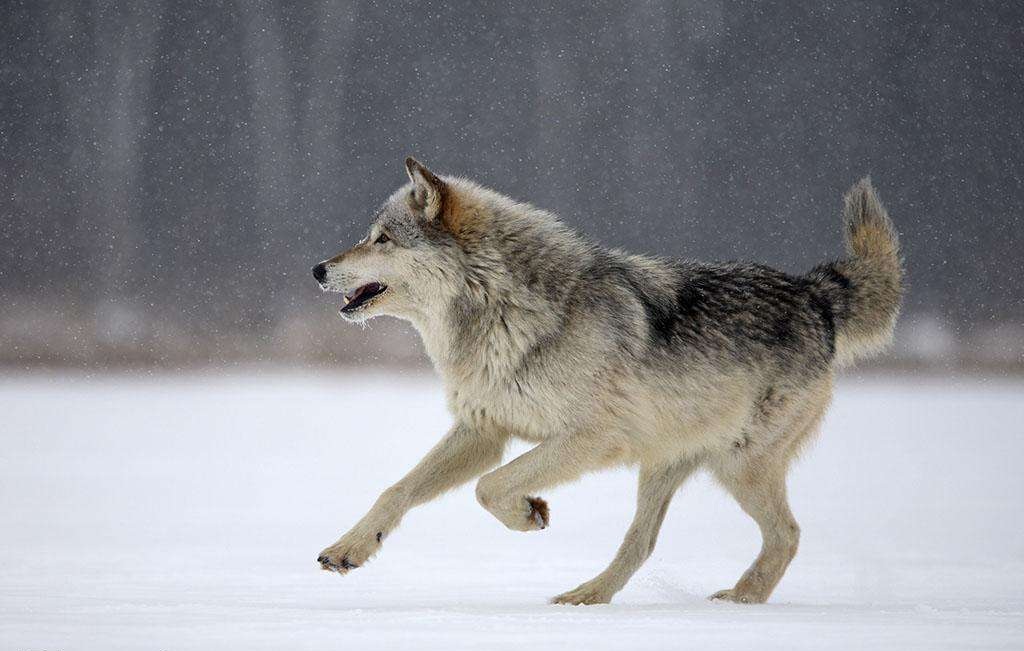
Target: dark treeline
{"type": "Point", "coordinates": [169, 171]}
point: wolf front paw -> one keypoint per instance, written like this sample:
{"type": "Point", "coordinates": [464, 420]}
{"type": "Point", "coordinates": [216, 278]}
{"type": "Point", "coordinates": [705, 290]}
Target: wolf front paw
{"type": "Point", "coordinates": [587, 594]}
{"type": "Point", "coordinates": [519, 513]}
{"type": "Point", "coordinates": [349, 553]}
{"type": "Point", "coordinates": [539, 513]}
{"type": "Point", "coordinates": [738, 596]}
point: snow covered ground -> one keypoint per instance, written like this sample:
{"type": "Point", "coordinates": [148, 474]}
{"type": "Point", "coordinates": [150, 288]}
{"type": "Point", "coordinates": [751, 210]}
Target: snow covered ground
{"type": "Point", "coordinates": [186, 512]}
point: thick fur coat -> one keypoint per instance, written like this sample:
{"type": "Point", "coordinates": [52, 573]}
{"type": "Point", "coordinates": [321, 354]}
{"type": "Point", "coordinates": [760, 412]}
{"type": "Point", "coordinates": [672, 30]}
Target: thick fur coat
{"type": "Point", "coordinates": [605, 358]}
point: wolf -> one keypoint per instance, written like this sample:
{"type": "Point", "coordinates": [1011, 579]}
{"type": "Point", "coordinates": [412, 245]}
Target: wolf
{"type": "Point", "coordinates": [605, 358]}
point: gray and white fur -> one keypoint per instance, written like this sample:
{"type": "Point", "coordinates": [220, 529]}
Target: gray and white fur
{"type": "Point", "coordinates": [604, 358]}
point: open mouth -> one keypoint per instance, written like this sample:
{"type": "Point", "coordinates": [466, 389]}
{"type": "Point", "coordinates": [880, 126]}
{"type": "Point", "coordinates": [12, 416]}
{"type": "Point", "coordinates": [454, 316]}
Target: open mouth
{"type": "Point", "coordinates": [360, 296]}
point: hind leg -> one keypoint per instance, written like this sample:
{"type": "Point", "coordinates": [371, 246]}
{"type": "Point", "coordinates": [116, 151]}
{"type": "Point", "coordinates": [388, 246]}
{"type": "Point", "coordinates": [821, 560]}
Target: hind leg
{"type": "Point", "coordinates": [758, 482]}
{"type": "Point", "coordinates": [761, 492]}
{"type": "Point", "coordinates": [657, 486]}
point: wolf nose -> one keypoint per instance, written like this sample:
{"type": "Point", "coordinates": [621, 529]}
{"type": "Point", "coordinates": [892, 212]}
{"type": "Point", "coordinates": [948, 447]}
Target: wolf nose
{"type": "Point", "coordinates": [320, 272]}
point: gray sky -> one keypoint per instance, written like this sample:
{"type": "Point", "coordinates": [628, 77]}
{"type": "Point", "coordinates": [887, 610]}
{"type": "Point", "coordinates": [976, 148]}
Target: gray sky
{"type": "Point", "coordinates": [170, 171]}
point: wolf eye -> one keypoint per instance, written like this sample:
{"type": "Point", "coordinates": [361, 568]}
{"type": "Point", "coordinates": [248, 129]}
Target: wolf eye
{"type": "Point", "coordinates": [382, 238]}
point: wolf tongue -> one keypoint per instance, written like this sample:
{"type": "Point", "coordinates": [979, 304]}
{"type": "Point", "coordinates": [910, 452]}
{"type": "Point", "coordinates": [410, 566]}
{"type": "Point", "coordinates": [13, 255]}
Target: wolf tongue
{"type": "Point", "coordinates": [356, 293]}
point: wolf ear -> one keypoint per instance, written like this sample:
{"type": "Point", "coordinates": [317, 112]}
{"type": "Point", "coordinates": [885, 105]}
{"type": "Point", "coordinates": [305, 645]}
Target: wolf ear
{"type": "Point", "coordinates": [428, 190]}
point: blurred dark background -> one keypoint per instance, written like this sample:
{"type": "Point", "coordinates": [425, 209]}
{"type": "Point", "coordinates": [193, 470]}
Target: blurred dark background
{"type": "Point", "coordinates": [170, 171]}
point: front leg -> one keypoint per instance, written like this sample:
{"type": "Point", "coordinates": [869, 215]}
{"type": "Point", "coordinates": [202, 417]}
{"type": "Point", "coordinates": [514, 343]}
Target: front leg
{"type": "Point", "coordinates": [655, 491]}
{"type": "Point", "coordinates": [463, 454]}
{"type": "Point", "coordinates": [509, 492]}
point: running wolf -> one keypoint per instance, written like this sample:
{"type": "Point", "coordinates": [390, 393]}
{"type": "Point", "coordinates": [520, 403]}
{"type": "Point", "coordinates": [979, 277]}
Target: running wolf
{"type": "Point", "coordinates": [604, 358]}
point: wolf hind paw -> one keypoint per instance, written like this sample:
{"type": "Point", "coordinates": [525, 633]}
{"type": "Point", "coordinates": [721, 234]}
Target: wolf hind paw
{"type": "Point", "coordinates": [587, 594]}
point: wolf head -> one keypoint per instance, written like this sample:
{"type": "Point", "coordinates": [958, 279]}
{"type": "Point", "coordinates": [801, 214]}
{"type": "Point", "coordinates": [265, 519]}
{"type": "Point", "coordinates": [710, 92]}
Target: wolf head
{"type": "Point", "coordinates": [409, 264]}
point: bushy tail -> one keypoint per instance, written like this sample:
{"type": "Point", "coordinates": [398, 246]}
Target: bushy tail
{"type": "Point", "coordinates": [864, 289]}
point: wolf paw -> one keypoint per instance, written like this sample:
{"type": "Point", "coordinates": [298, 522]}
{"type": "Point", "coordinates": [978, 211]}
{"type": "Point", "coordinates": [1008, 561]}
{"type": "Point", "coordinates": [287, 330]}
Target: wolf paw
{"type": "Point", "coordinates": [517, 512]}
{"type": "Point", "coordinates": [349, 553]}
{"type": "Point", "coordinates": [737, 596]}
{"type": "Point", "coordinates": [588, 594]}
{"type": "Point", "coordinates": [538, 517]}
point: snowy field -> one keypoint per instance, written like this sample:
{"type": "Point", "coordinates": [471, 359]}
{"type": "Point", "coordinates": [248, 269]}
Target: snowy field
{"type": "Point", "coordinates": [186, 512]}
